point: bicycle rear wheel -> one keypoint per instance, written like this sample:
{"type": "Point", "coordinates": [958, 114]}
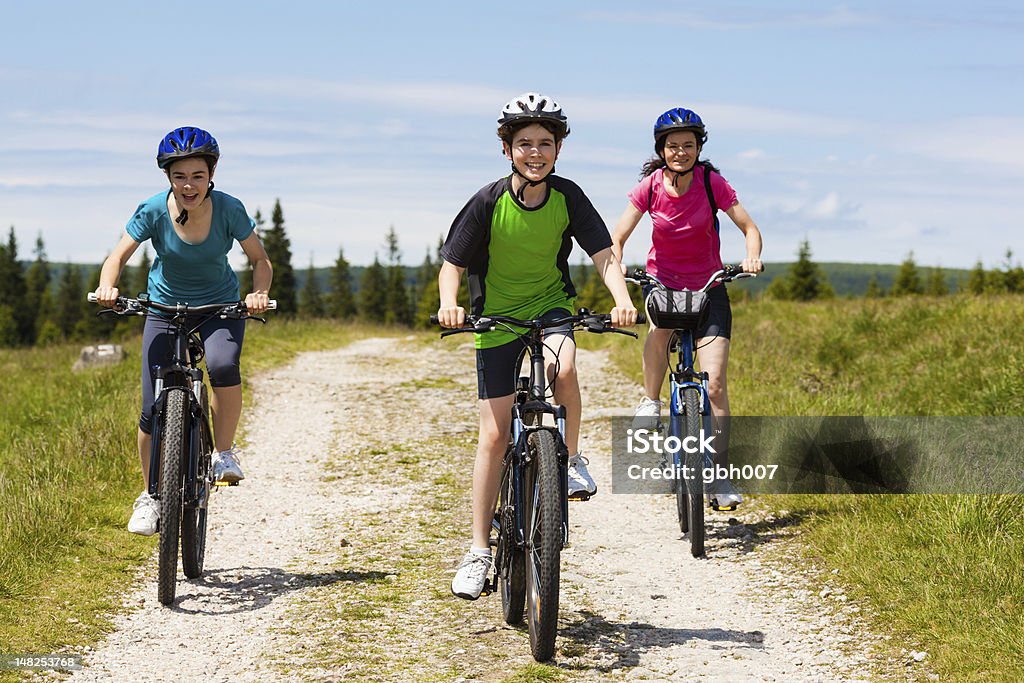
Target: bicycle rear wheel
{"type": "Point", "coordinates": [695, 465]}
{"type": "Point", "coordinates": [173, 440]}
{"type": "Point", "coordinates": [511, 560]}
{"type": "Point", "coordinates": [543, 520]}
{"type": "Point", "coordinates": [193, 514]}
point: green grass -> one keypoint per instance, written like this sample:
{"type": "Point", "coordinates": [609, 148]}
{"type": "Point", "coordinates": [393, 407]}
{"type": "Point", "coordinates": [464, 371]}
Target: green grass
{"type": "Point", "coordinates": [940, 572]}
{"type": "Point", "coordinates": [69, 470]}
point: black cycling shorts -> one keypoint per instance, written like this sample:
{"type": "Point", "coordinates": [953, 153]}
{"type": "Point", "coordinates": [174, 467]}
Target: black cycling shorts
{"type": "Point", "coordinates": [497, 368]}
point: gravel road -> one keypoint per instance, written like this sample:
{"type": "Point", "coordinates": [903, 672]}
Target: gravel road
{"type": "Point", "coordinates": [331, 561]}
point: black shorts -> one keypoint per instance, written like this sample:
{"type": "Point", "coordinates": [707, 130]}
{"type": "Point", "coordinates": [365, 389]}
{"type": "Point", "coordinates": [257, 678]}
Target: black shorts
{"type": "Point", "coordinates": [497, 368]}
{"type": "Point", "coordinates": [719, 323]}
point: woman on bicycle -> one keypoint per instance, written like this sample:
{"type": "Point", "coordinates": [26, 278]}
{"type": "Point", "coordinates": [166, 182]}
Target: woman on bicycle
{"type": "Point", "coordinates": [684, 252]}
{"type": "Point", "coordinates": [513, 238]}
{"type": "Point", "coordinates": [192, 228]}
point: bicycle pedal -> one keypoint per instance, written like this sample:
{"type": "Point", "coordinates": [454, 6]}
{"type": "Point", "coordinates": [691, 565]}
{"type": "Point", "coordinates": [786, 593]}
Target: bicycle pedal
{"type": "Point", "coordinates": [720, 508]}
{"type": "Point", "coordinates": [489, 587]}
{"type": "Point", "coordinates": [225, 483]}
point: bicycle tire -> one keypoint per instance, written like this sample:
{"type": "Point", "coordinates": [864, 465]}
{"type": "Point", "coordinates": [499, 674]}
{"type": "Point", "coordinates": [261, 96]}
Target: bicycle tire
{"type": "Point", "coordinates": [543, 521]}
{"type": "Point", "coordinates": [511, 560]}
{"type": "Point", "coordinates": [695, 464]}
{"type": "Point", "coordinates": [193, 517]}
{"type": "Point", "coordinates": [173, 436]}
{"type": "Point", "coordinates": [679, 483]}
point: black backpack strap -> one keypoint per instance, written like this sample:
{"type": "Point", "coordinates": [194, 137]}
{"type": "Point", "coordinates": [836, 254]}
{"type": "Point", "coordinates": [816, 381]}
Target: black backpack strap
{"type": "Point", "coordinates": [711, 195]}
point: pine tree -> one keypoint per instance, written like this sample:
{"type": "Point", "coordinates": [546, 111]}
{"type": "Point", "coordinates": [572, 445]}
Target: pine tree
{"type": "Point", "coordinates": [805, 281]}
{"type": "Point", "coordinates": [138, 280]}
{"type": "Point", "coordinates": [936, 285]}
{"type": "Point", "coordinates": [340, 303]}
{"type": "Point", "coordinates": [90, 326]}
{"type": "Point", "coordinates": [428, 298]}
{"type": "Point", "coordinates": [69, 305]}
{"type": "Point", "coordinates": [397, 309]}
{"type": "Point", "coordinates": [1012, 276]}
{"type": "Point", "coordinates": [311, 302]}
{"type": "Point", "coordinates": [874, 290]}
{"type": "Point", "coordinates": [278, 247]}
{"type": "Point", "coordinates": [908, 282]}
{"type": "Point", "coordinates": [373, 292]}
{"type": "Point", "coordinates": [12, 294]}
{"type": "Point", "coordinates": [37, 282]}
{"type": "Point", "coordinates": [977, 281]}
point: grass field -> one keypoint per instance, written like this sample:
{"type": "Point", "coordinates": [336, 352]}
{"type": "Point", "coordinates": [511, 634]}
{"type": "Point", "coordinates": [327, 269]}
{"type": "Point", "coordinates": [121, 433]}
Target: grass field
{"type": "Point", "coordinates": [940, 571]}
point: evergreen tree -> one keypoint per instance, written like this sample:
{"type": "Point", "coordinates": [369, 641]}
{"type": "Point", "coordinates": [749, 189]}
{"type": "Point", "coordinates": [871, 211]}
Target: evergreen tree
{"type": "Point", "coordinates": [340, 303]}
{"type": "Point", "coordinates": [311, 302]}
{"type": "Point", "coordinates": [13, 293]}
{"type": "Point", "coordinates": [874, 290]}
{"type": "Point", "coordinates": [805, 281]}
{"type": "Point", "coordinates": [397, 307]}
{"type": "Point", "coordinates": [278, 247]}
{"type": "Point", "coordinates": [428, 298]}
{"type": "Point", "coordinates": [373, 292]}
{"type": "Point", "coordinates": [936, 285]}
{"type": "Point", "coordinates": [139, 280]}
{"type": "Point", "coordinates": [593, 294]}
{"type": "Point", "coordinates": [70, 308]}
{"type": "Point", "coordinates": [90, 326]}
{"type": "Point", "coordinates": [1012, 276]}
{"type": "Point", "coordinates": [37, 282]}
{"type": "Point", "coordinates": [907, 282]}
{"type": "Point", "coordinates": [977, 281]}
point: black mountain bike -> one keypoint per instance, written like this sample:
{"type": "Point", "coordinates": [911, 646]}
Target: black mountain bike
{"type": "Point", "coordinates": [180, 463]}
{"type": "Point", "coordinates": [690, 407]}
{"type": "Point", "coordinates": [531, 522]}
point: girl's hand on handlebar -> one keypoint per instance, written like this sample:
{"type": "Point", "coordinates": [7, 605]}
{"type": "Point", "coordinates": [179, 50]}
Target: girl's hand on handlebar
{"type": "Point", "coordinates": [106, 296]}
{"type": "Point", "coordinates": [451, 316]}
{"type": "Point", "coordinates": [752, 265]}
{"type": "Point", "coordinates": [257, 302]}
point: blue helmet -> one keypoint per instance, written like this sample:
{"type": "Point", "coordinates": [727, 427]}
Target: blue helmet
{"type": "Point", "coordinates": [679, 119]}
{"type": "Point", "coordinates": [184, 142]}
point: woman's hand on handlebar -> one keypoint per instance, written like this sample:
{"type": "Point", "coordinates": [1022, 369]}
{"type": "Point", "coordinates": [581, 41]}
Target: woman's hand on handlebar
{"type": "Point", "coordinates": [257, 302]}
{"type": "Point", "coordinates": [451, 316]}
{"type": "Point", "coordinates": [752, 265]}
{"type": "Point", "coordinates": [106, 296]}
{"type": "Point", "coordinates": [623, 316]}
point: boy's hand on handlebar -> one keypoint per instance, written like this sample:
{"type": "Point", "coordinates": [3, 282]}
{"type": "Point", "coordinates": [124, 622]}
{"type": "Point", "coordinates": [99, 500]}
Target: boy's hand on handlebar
{"type": "Point", "coordinates": [451, 316]}
{"type": "Point", "coordinates": [752, 265]}
{"type": "Point", "coordinates": [106, 296]}
{"type": "Point", "coordinates": [623, 316]}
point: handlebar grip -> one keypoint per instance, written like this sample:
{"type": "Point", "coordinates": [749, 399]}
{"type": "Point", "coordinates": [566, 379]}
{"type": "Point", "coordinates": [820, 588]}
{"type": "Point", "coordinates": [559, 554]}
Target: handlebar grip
{"type": "Point", "coordinates": [641, 318]}
{"type": "Point", "coordinates": [434, 320]}
{"type": "Point", "coordinates": [91, 297]}
{"type": "Point", "coordinates": [272, 305]}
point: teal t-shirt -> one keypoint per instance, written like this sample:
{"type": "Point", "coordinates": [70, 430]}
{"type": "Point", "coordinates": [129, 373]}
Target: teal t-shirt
{"type": "Point", "coordinates": [517, 257]}
{"type": "Point", "coordinates": [195, 274]}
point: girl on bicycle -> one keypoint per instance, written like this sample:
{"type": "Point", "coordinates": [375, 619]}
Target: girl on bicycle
{"type": "Point", "coordinates": [192, 228]}
{"type": "Point", "coordinates": [684, 253]}
{"type": "Point", "coordinates": [513, 238]}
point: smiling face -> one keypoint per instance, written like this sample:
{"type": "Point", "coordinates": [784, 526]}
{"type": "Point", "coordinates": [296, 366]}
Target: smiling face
{"type": "Point", "coordinates": [680, 151]}
{"type": "Point", "coordinates": [190, 181]}
{"type": "Point", "coordinates": [533, 150]}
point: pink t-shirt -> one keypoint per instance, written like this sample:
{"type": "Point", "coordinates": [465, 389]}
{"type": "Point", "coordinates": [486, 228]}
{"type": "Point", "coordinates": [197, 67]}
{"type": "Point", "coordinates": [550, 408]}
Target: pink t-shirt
{"type": "Point", "coordinates": [684, 244]}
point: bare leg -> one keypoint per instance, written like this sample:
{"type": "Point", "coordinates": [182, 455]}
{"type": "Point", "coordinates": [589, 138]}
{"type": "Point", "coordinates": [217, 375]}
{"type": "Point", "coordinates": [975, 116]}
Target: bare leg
{"type": "Point", "coordinates": [495, 423]}
{"type": "Point", "coordinates": [226, 406]}
{"type": "Point", "coordinates": [566, 385]}
{"type": "Point", "coordinates": [145, 443]}
{"type": "Point", "coordinates": [655, 361]}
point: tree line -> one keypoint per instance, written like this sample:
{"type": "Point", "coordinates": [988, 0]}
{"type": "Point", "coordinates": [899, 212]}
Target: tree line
{"type": "Point", "coordinates": [43, 303]}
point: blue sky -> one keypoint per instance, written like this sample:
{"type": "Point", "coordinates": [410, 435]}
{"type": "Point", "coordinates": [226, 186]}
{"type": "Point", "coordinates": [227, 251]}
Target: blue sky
{"type": "Point", "coordinates": [871, 129]}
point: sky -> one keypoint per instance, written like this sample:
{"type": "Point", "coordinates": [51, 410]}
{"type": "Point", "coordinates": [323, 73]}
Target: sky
{"type": "Point", "coordinates": [872, 130]}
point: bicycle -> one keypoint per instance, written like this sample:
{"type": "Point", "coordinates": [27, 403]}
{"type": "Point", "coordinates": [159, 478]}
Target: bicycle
{"type": "Point", "coordinates": [180, 464]}
{"type": "Point", "coordinates": [531, 521]}
{"type": "Point", "coordinates": [684, 311]}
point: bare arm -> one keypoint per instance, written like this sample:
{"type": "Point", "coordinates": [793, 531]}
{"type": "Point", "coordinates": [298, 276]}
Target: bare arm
{"type": "Point", "coordinates": [752, 262]}
{"type": "Point", "coordinates": [450, 314]}
{"type": "Point", "coordinates": [624, 228]}
{"type": "Point", "coordinates": [610, 269]}
{"type": "Point", "coordinates": [262, 274]}
{"type": "Point", "coordinates": [110, 273]}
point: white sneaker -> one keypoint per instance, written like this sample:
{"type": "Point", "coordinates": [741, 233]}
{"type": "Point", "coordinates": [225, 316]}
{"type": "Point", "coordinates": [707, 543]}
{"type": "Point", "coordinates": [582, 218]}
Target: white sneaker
{"type": "Point", "coordinates": [471, 577]}
{"type": "Point", "coordinates": [225, 465]}
{"type": "Point", "coordinates": [647, 415]}
{"type": "Point", "coordinates": [581, 484]}
{"type": "Point", "coordinates": [145, 515]}
{"type": "Point", "coordinates": [723, 496]}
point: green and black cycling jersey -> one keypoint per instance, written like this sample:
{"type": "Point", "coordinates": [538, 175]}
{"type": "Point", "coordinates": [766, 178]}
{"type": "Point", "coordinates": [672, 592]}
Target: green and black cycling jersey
{"type": "Point", "coordinates": [517, 258]}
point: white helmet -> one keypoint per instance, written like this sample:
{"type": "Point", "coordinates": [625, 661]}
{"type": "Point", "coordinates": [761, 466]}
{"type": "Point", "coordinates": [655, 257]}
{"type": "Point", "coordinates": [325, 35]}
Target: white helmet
{"type": "Point", "coordinates": [533, 106]}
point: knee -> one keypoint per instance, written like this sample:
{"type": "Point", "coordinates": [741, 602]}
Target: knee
{"type": "Point", "coordinates": [223, 373]}
{"type": "Point", "coordinates": [716, 389]}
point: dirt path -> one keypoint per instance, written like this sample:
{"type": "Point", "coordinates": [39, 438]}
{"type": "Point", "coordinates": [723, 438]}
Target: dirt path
{"type": "Point", "coordinates": [331, 562]}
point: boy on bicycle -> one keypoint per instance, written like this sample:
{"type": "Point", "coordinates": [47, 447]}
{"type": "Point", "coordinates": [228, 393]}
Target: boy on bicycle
{"type": "Point", "coordinates": [513, 238]}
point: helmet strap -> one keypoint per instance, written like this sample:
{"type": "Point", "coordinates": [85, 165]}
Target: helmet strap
{"type": "Point", "coordinates": [676, 175]}
{"type": "Point", "coordinates": [183, 216]}
{"type": "Point", "coordinates": [520, 193]}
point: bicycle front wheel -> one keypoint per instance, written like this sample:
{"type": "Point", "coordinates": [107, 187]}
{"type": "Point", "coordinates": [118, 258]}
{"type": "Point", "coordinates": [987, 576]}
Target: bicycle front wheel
{"type": "Point", "coordinates": [676, 424]}
{"type": "Point", "coordinates": [695, 466]}
{"type": "Point", "coordinates": [543, 521]}
{"type": "Point", "coordinates": [193, 514]}
{"type": "Point", "coordinates": [173, 440]}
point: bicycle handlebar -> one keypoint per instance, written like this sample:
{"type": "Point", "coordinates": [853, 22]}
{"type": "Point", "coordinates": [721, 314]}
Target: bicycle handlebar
{"type": "Point", "coordinates": [585, 320]}
{"type": "Point", "coordinates": [728, 273]}
{"type": "Point", "coordinates": [129, 306]}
